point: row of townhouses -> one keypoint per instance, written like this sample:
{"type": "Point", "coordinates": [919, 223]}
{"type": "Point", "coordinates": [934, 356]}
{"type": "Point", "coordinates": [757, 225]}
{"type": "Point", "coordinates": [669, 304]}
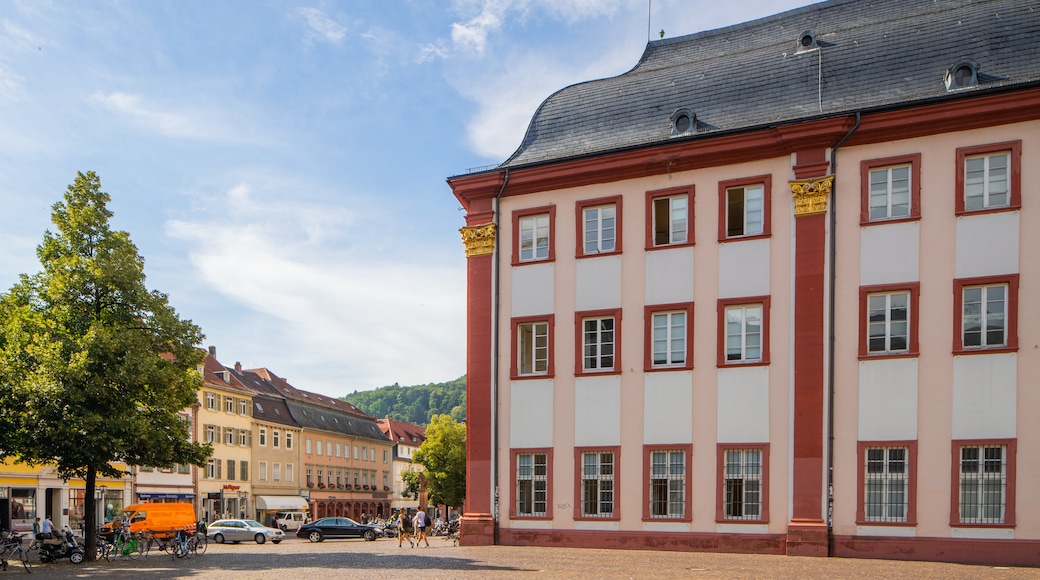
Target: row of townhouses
{"type": "Point", "coordinates": [275, 448]}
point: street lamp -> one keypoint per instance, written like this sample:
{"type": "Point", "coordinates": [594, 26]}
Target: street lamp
{"type": "Point", "coordinates": [99, 514]}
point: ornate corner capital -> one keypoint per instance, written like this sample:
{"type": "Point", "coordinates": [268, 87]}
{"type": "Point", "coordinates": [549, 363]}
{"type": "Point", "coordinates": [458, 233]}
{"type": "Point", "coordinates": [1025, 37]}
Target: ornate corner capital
{"type": "Point", "coordinates": [479, 240]}
{"type": "Point", "coordinates": [810, 195]}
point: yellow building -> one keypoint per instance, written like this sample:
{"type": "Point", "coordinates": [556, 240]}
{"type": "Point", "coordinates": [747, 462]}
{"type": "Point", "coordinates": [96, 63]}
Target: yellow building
{"type": "Point", "coordinates": [225, 421]}
{"type": "Point", "coordinates": [30, 492]}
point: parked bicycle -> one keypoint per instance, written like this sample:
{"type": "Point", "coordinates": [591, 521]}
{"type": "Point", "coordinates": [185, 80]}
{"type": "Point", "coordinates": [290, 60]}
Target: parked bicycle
{"type": "Point", "coordinates": [11, 550]}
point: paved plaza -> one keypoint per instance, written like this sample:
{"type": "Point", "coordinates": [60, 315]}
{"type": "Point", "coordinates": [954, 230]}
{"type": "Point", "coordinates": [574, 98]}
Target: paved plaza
{"type": "Point", "coordinates": [296, 559]}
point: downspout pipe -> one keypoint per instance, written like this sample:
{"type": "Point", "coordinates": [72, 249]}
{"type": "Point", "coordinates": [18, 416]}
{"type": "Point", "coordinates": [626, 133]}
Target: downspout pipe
{"type": "Point", "coordinates": [831, 339]}
{"type": "Point", "coordinates": [495, 275]}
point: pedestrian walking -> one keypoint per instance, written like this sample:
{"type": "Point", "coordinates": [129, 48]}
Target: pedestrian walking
{"type": "Point", "coordinates": [420, 528]}
{"type": "Point", "coordinates": [403, 530]}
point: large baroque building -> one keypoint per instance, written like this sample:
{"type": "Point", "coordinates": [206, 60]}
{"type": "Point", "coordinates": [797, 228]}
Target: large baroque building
{"type": "Point", "coordinates": [765, 292]}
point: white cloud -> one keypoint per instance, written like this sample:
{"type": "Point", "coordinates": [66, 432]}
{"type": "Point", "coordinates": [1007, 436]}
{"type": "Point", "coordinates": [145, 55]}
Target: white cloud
{"type": "Point", "coordinates": [322, 27]}
{"type": "Point", "coordinates": [345, 311]}
{"type": "Point", "coordinates": [472, 35]}
{"type": "Point", "coordinates": [432, 51]}
{"type": "Point", "coordinates": [178, 122]}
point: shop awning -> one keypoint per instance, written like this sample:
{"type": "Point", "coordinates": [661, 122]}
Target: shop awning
{"type": "Point", "coordinates": [280, 502]}
{"type": "Point", "coordinates": [166, 495]}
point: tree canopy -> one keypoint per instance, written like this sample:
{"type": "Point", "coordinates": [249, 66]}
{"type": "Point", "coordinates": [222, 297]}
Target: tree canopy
{"type": "Point", "coordinates": [94, 367]}
{"type": "Point", "coordinates": [443, 457]}
{"type": "Point", "coordinates": [416, 404]}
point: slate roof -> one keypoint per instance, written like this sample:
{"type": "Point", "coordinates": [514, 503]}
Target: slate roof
{"type": "Point", "coordinates": [873, 55]}
{"type": "Point", "coordinates": [316, 417]}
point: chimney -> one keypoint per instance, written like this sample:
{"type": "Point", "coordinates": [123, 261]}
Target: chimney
{"type": "Point", "coordinates": [238, 366]}
{"type": "Point", "coordinates": [213, 351]}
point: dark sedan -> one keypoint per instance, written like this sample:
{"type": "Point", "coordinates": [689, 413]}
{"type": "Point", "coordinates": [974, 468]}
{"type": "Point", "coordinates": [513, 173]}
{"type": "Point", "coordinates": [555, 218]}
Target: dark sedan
{"type": "Point", "coordinates": [335, 528]}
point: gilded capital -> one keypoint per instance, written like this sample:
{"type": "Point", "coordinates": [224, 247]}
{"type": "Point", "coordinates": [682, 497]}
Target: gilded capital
{"type": "Point", "coordinates": [479, 240]}
{"type": "Point", "coordinates": [810, 195]}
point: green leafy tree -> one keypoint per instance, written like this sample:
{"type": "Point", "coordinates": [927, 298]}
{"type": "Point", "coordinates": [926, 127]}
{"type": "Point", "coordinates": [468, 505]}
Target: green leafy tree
{"type": "Point", "coordinates": [443, 457]}
{"type": "Point", "coordinates": [412, 483]}
{"type": "Point", "coordinates": [94, 367]}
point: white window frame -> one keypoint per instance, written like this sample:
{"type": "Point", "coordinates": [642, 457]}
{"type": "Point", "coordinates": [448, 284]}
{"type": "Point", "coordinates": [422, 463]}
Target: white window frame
{"type": "Point", "coordinates": [890, 194]}
{"type": "Point", "coordinates": [532, 479]}
{"type": "Point", "coordinates": [211, 434]}
{"type": "Point", "coordinates": [534, 238]}
{"type": "Point", "coordinates": [262, 437]}
{"type": "Point", "coordinates": [751, 200]}
{"type": "Point", "coordinates": [886, 485]}
{"type": "Point", "coordinates": [288, 440]}
{"type": "Point", "coordinates": [740, 336]}
{"type": "Point", "coordinates": [288, 472]}
{"type": "Point", "coordinates": [667, 472]}
{"type": "Point", "coordinates": [211, 401]}
{"type": "Point", "coordinates": [261, 470]}
{"type": "Point", "coordinates": [983, 484]}
{"type": "Point", "coordinates": [229, 405]}
{"type": "Point", "coordinates": [276, 469]}
{"type": "Point", "coordinates": [532, 348]}
{"type": "Point", "coordinates": [307, 445]}
{"type": "Point", "coordinates": [884, 326]}
{"type": "Point", "coordinates": [978, 312]}
{"type": "Point", "coordinates": [668, 339]}
{"type": "Point", "coordinates": [599, 229]}
{"type": "Point", "coordinates": [598, 343]}
{"type": "Point", "coordinates": [598, 469]}
{"type": "Point", "coordinates": [276, 439]}
{"type": "Point", "coordinates": [743, 484]}
{"type": "Point", "coordinates": [982, 181]}
{"type": "Point", "coordinates": [319, 447]}
{"type": "Point", "coordinates": [675, 222]}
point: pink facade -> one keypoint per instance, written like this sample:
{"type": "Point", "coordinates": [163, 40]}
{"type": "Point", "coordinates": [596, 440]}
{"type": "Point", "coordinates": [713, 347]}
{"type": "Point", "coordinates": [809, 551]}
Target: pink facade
{"type": "Point", "coordinates": [653, 362]}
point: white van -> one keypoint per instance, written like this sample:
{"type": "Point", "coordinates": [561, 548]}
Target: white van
{"type": "Point", "coordinates": [290, 521]}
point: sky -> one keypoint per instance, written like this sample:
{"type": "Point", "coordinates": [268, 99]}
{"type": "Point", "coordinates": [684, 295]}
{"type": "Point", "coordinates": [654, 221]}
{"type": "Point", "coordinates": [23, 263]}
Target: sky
{"type": "Point", "coordinates": [281, 165]}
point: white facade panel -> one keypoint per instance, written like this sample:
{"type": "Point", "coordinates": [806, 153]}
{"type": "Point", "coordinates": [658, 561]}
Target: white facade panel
{"type": "Point", "coordinates": [667, 407]}
{"type": "Point", "coordinates": [888, 399]}
{"type": "Point", "coordinates": [889, 531]}
{"type": "Point", "coordinates": [983, 533]}
{"type": "Point", "coordinates": [611, 526]}
{"type": "Point", "coordinates": [669, 276]}
{"type": "Point", "coordinates": [743, 405]}
{"type": "Point", "coordinates": [597, 411]}
{"type": "Point", "coordinates": [742, 528]}
{"type": "Point", "coordinates": [890, 253]}
{"type": "Point", "coordinates": [744, 268]}
{"type": "Point", "coordinates": [531, 413]}
{"type": "Point", "coordinates": [987, 244]}
{"type": "Point", "coordinates": [984, 395]}
{"type": "Point", "coordinates": [532, 291]}
{"type": "Point", "coordinates": [598, 283]}
{"type": "Point", "coordinates": [680, 527]}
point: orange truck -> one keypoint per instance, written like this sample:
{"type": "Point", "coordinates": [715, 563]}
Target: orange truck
{"type": "Point", "coordinates": [159, 517]}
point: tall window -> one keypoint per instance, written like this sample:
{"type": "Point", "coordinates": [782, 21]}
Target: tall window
{"type": "Point", "coordinates": [229, 436]}
{"type": "Point", "coordinates": [597, 344]}
{"type": "Point", "coordinates": [243, 470]}
{"type": "Point", "coordinates": [289, 472]}
{"type": "Point", "coordinates": [532, 479]}
{"type": "Point", "coordinates": [886, 484]}
{"type": "Point", "coordinates": [229, 404]}
{"type": "Point", "coordinates": [211, 401]}
{"type": "Point", "coordinates": [262, 437]}
{"type": "Point", "coordinates": [231, 469]}
{"type": "Point", "coordinates": [744, 333]}
{"type": "Point", "coordinates": [534, 238]}
{"type": "Point", "coordinates": [745, 211]}
{"type": "Point", "coordinates": [319, 447]}
{"type": "Point", "coordinates": [276, 469]}
{"type": "Point", "coordinates": [532, 339]}
{"type": "Point", "coordinates": [288, 440]}
{"type": "Point", "coordinates": [599, 229]}
{"type": "Point", "coordinates": [307, 445]}
{"type": "Point", "coordinates": [243, 407]}
{"type": "Point", "coordinates": [211, 468]}
{"type": "Point", "coordinates": [276, 439]}
{"type": "Point", "coordinates": [597, 484]}
{"type": "Point", "coordinates": [667, 471]}
{"type": "Point", "coordinates": [983, 484]}
{"type": "Point", "coordinates": [243, 437]}
{"type": "Point", "coordinates": [670, 220]}
{"type": "Point", "coordinates": [669, 331]}
{"type": "Point", "coordinates": [261, 470]}
{"type": "Point", "coordinates": [211, 433]}
{"type": "Point", "coordinates": [989, 177]}
{"type": "Point", "coordinates": [984, 316]}
{"type": "Point", "coordinates": [742, 484]}
{"type": "Point", "coordinates": [890, 192]}
{"type": "Point", "coordinates": [888, 322]}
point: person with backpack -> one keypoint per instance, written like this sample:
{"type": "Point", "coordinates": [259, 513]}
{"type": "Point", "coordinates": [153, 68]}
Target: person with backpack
{"type": "Point", "coordinates": [404, 523]}
{"type": "Point", "coordinates": [420, 528]}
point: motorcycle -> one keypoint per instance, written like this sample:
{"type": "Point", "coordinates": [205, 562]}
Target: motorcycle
{"type": "Point", "coordinates": [62, 546]}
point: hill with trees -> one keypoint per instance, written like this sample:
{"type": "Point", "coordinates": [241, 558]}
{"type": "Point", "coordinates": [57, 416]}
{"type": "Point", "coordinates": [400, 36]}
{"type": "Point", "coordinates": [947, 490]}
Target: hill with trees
{"type": "Point", "coordinates": [415, 404]}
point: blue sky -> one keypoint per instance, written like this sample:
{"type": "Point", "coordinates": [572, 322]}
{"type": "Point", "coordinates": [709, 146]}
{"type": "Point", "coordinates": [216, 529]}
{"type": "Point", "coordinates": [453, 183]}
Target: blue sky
{"type": "Point", "coordinates": [281, 165]}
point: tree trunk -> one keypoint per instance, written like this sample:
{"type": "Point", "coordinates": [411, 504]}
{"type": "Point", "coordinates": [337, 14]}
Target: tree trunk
{"type": "Point", "coordinates": [90, 516]}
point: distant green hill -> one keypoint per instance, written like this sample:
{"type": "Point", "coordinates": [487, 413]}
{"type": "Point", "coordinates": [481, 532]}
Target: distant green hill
{"type": "Point", "coordinates": [415, 404]}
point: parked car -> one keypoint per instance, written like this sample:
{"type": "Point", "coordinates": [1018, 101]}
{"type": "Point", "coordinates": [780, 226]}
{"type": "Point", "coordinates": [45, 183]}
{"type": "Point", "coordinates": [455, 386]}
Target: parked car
{"type": "Point", "coordinates": [290, 521]}
{"type": "Point", "coordinates": [236, 531]}
{"type": "Point", "coordinates": [317, 531]}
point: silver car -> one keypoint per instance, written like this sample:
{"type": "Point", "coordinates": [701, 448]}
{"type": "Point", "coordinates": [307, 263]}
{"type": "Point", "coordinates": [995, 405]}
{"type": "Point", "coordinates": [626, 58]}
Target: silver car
{"type": "Point", "coordinates": [237, 531]}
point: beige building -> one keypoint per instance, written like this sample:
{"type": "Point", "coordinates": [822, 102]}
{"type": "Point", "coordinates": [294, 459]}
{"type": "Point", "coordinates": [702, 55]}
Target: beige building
{"type": "Point", "coordinates": [225, 421]}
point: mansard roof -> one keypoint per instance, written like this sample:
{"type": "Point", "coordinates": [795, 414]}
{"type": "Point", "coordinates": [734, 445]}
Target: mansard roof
{"type": "Point", "coordinates": [822, 60]}
{"type": "Point", "coordinates": [312, 416]}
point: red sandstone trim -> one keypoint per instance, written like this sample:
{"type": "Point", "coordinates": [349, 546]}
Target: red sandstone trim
{"type": "Point", "coordinates": [720, 483]}
{"type": "Point", "coordinates": [548, 482]}
{"type": "Point", "coordinates": [1014, 180]}
{"type": "Point", "coordinates": [1010, 318]}
{"type": "Point", "coordinates": [688, 190]}
{"type": "Point", "coordinates": [767, 206]}
{"type": "Point", "coordinates": [913, 345]}
{"type": "Point", "coordinates": [720, 341]}
{"type": "Point", "coordinates": [648, 336]}
{"type": "Point", "coordinates": [865, 167]}
{"type": "Point", "coordinates": [616, 451]}
{"type": "Point", "coordinates": [687, 448]}
{"type": "Point", "coordinates": [958, 550]}
{"type": "Point", "coordinates": [514, 369]}
{"type": "Point", "coordinates": [644, 540]}
{"type": "Point", "coordinates": [911, 464]}
{"type": "Point", "coordinates": [579, 231]}
{"type": "Point", "coordinates": [955, 484]}
{"type": "Point", "coordinates": [515, 238]}
{"type": "Point", "coordinates": [579, 369]}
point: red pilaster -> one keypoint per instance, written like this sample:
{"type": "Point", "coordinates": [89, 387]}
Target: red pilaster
{"type": "Point", "coordinates": [478, 526]}
{"type": "Point", "coordinates": [807, 531]}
